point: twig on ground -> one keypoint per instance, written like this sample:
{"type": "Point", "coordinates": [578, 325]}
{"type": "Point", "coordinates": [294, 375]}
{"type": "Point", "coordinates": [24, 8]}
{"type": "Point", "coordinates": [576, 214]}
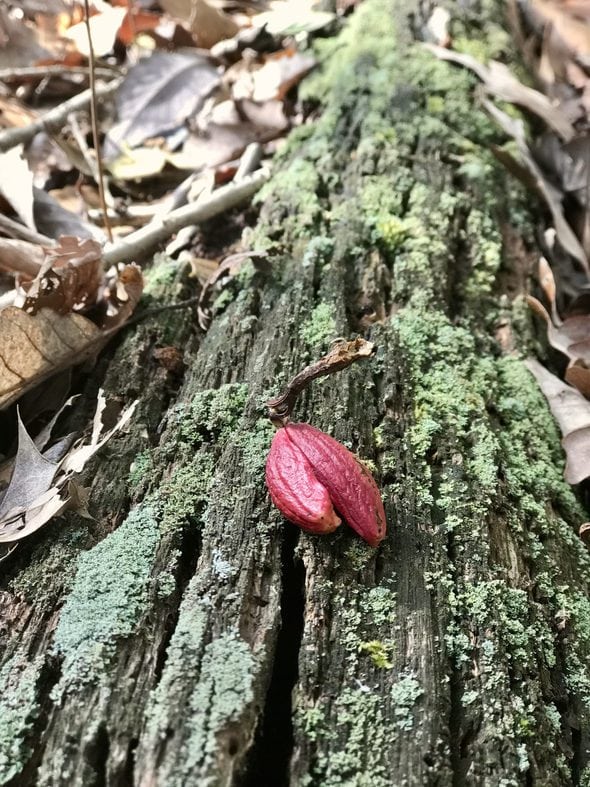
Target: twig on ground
{"type": "Point", "coordinates": [249, 161]}
{"type": "Point", "coordinates": [53, 120]}
{"type": "Point", "coordinates": [17, 230]}
{"type": "Point", "coordinates": [25, 72]}
{"type": "Point", "coordinates": [144, 240]}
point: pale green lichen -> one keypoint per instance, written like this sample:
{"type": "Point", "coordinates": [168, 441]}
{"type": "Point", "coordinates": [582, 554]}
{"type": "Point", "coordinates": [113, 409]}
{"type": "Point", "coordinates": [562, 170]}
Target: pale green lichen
{"type": "Point", "coordinates": [212, 415]}
{"type": "Point", "coordinates": [364, 611]}
{"type": "Point", "coordinates": [320, 327]}
{"type": "Point", "coordinates": [404, 694]}
{"type": "Point", "coordinates": [19, 708]}
{"type": "Point", "coordinates": [140, 468]}
{"type": "Point", "coordinates": [186, 492]}
{"type": "Point", "coordinates": [354, 711]}
{"type": "Point", "coordinates": [317, 251]}
{"type": "Point", "coordinates": [222, 691]}
{"type": "Point", "coordinates": [107, 600]}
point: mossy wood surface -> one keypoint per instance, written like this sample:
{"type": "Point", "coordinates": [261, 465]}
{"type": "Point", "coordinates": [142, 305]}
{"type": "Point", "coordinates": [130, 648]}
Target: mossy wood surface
{"type": "Point", "coordinates": [188, 636]}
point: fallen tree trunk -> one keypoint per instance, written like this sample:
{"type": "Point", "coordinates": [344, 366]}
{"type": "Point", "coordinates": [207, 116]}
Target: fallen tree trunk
{"type": "Point", "coordinates": [188, 636]}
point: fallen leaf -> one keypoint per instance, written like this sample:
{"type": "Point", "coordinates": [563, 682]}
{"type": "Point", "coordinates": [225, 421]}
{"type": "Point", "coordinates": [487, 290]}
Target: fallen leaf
{"type": "Point", "coordinates": [208, 24]}
{"type": "Point", "coordinates": [32, 472]}
{"type": "Point", "coordinates": [157, 96]}
{"type": "Point", "coordinates": [571, 337]}
{"type": "Point", "coordinates": [16, 184]}
{"type": "Point", "coordinates": [578, 375]}
{"type": "Point", "coordinates": [54, 220]}
{"type": "Point", "coordinates": [41, 489]}
{"type": "Point", "coordinates": [500, 82]}
{"type": "Point", "coordinates": [292, 17]}
{"type": "Point", "coordinates": [103, 29]}
{"type": "Point", "coordinates": [138, 163]}
{"type": "Point", "coordinates": [34, 347]}
{"type": "Point", "coordinates": [69, 278]}
{"type": "Point", "coordinates": [550, 194]}
{"type": "Point", "coordinates": [121, 296]}
{"type": "Point", "coordinates": [572, 412]}
{"type": "Point", "coordinates": [227, 133]}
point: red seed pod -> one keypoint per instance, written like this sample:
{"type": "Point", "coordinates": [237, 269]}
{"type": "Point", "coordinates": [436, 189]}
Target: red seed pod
{"type": "Point", "coordinates": [294, 488]}
{"type": "Point", "coordinates": [330, 467]}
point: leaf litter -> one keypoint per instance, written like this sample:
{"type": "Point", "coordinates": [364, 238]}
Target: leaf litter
{"type": "Point", "coordinates": [555, 40]}
{"type": "Point", "coordinates": [173, 112]}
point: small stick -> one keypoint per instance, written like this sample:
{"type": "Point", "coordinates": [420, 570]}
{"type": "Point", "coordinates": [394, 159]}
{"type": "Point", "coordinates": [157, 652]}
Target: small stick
{"type": "Point", "coordinates": [94, 121]}
{"type": "Point", "coordinates": [342, 353]}
{"type": "Point", "coordinates": [144, 240]}
{"type": "Point", "coordinates": [54, 119]}
{"type": "Point", "coordinates": [17, 230]}
{"type": "Point", "coordinates": [26, 72]}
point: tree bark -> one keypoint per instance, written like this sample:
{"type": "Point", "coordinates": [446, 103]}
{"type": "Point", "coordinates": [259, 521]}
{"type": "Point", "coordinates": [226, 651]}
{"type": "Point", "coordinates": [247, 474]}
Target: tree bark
{"type": "Point", "coordinates": [188, 635]}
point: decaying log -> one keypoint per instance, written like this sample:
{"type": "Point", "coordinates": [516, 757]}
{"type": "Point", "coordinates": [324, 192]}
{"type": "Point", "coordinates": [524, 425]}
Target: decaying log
{"type": "Point", "coordinates": [189, 636]}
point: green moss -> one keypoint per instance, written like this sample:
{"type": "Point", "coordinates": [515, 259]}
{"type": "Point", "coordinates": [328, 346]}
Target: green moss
{"type": "Point", "coordinates": [107, 600]}
{"type": "Point", "coordinates": [365, 611]}
{"type": "Point", "coordinates": [161, 274]}
{"type": "Point", "coordinates": [320, 327]}
{"type": "Point", "coordinates": [19, 708]}
{"type": "Point", "coordinates": [378, 652]}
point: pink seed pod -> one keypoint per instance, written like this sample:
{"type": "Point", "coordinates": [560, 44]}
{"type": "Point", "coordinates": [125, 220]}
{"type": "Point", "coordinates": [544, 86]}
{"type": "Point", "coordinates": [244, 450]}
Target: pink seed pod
{"type": "Point", "coordinates": [331, 467]}
{"type": "Point", "coordinates": [295, 490]}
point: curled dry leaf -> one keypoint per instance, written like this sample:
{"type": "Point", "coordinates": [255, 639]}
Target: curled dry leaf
{"type": "Point", "coordinates": [41, 488]}
{"type": "Point", "coordinates": [69, 277]}
{"type": "Point", "coordinates": [572, 412]}
{"type": "Point", "coordinates": [552, 196]}
{"type": "Point", "coordinates": [571, 337]}
{"type": "Point", "coordinates": [34, 347]}
{"type": "Point", "coordinates": [500, 82]}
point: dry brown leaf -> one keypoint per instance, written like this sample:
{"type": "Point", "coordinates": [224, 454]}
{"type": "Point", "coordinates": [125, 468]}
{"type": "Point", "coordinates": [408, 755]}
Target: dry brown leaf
{"type": "Point", "coordinates": [566, 236]}
{"type": "Point", "coordinates": [122, 296]}
{"type": "Point", "coordinates": [40, 489]}
{"type": "Point", "coordinates": [69, 278]}
{"type": "Point", "coordinates": [34, 347]}
{"type": "Point", "coordinates": [572, 412]}
{"type": "Point", "coordinates": [578, 375]}
{"type": "Point", "coordinates": [500, 82]}
{"type": "Point", "coordinates": [207, 23]}
{"type": "Point", "coordinates": [571, 337]}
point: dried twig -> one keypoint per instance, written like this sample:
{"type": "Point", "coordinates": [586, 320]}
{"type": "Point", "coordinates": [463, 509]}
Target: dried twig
{"type": "Point", "coordinates": [343, 353]}
{"type": "Point", "coordinates": [53, 120]}
{"type": "Point", "coordinates": [17, 230]}
{"type": "Point", "coordinates": [94, 121]}
{"type": "Point", "coordinates": [27, 72]}
{"type": "Point", "coordinates": [144, 240]}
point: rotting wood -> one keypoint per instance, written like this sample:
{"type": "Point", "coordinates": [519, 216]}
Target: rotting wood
{"type": "Point", "coordinates": [190, 637]}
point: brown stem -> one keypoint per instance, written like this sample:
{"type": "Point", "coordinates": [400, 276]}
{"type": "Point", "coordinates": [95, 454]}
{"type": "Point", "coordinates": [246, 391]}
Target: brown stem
{"type": "Point", "coordinates": [342, 353]}
{"type": "Point", "coordinates": [94, 120]}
